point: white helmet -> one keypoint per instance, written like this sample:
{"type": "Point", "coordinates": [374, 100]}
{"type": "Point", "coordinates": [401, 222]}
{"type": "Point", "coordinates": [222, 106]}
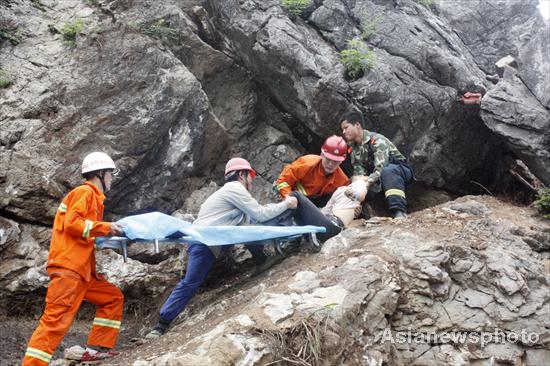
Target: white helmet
{"type": "Point", "coordinates": [97, 161]}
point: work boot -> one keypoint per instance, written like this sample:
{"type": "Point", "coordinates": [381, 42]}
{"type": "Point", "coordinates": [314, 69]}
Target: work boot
{"type": "Point", "coordinates": [157, 331]}
{"type": "Point", "coordinates": [399, 215]}
{"type": "Point", "coordinates": [268, 263]}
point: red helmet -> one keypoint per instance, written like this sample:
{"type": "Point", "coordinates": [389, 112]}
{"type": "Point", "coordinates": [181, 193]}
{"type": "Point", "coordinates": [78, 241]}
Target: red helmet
{"type": "Point", "coordinates": [239, 164]}
{"type": "Point", "coordinates": [335, 148]}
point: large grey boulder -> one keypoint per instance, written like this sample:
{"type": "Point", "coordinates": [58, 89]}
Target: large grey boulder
{"type": "Point", "coordinates": [517, 108]}
{"type": "Point", "coordinates": [534, 67]}
{"type": "Point", "coordinates": [492, 29]}
{"type": "Point", "coordinates": [511, 111]}
{"type": "Point", "coordinates": [23, 255]}
{"type": "Point", "coordinates": [120, 93]}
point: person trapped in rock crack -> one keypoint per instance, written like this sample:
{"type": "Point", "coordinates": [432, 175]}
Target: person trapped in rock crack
{"type": "Point", "coordinates": [375, 156]}
{"type": "Point", "coordinates": [72, 269]}
{"type": "Point", "coordinates": [231, 205]}
{"type": "Point", "coordinates": [315, 176]}
{"type": "Point", "coordinates": [313, 180]}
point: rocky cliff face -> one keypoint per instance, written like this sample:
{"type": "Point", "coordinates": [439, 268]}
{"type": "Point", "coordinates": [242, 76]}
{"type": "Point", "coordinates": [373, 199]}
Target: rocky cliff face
{"type": "Point", "coordinates": [172, 89]}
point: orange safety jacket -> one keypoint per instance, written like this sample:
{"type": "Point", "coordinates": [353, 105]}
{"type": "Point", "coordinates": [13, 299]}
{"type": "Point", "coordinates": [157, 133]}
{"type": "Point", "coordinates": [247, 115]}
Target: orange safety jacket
{"type": "Point", "coordinates": [77, 223]}
{"type": "Point", "coordinates": [306, 175]}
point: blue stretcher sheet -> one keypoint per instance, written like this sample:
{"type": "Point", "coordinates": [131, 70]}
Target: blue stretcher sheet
{"type": "Point", "coordinates": [156, 225]}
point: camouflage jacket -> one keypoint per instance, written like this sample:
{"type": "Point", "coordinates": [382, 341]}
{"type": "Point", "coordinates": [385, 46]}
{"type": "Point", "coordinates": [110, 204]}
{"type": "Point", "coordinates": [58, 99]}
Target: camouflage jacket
{"type": "Point", "coordinates": [373, 155]}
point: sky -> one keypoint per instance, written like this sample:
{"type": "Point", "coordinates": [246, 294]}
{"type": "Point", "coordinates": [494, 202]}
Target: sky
{"type": "Point", "coordinates": [544, 7]}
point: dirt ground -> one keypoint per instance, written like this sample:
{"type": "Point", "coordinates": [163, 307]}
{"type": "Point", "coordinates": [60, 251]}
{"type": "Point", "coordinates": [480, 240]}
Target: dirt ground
{"type": "Point", "coordinates": [16, 331]}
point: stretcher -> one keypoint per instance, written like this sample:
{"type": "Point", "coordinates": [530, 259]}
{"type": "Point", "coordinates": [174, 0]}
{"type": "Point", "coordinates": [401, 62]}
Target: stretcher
{"type": "Point", "coordinates": [157, 229]}
{"type": "Point", "coordinates": [282, 244]}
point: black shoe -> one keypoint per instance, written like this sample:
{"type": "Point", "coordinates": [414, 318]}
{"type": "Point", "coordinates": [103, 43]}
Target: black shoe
{"type": "Point", "coordinates": [399, 215]}
{"type": "Point", "coordinates": [158, 330]}
{"type": "Point", "coordinates": [268, 263]}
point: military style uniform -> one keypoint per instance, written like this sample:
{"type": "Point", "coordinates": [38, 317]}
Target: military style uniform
{"type": "Point", "coordinates": [385, 166]}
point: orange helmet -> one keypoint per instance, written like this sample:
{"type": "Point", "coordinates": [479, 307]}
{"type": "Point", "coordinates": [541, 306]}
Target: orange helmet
{"type": "Point", "coordinates": [239, 164]}
{"type": "Point", "coordinates": [335, 148]}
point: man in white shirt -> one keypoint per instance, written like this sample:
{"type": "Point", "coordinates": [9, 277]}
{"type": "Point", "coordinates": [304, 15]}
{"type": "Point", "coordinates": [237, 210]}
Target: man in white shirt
{"type": "Point", "coordinates": [231, 205]}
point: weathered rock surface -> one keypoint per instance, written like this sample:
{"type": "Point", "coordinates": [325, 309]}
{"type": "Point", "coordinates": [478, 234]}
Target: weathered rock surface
{"type": "Point", "coordinates": [117, 91]}
{"type": "Point", "coordinates": [458, 273]}
{"type": "Point", "coordinates": [493, 29]}
{"type": "Point", "coordinates": [510, 110]}
{"type": "Point", "coordinates": [23, 253]}
{"type": "Point", "coordinates": [517, 108]}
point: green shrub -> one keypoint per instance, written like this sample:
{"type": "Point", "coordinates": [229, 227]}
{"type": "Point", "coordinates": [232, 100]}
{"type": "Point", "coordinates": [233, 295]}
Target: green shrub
{"type": "Point", "coordinates": [369, 25]}
{"type": "Point", "coordinates": [5, 80]}
{"type": "Point", "coordinates": [295, 7]}
{"type": "Point", "coordinates": [542, 203]}
{"type": "Point", "coordinates": [133, 26]}
{"type": "Point", "coordinates": [14, 36]}
{"type": "Point", "coordinates": [357, 59]}
{"type": "Point", "coordinates": [71, 30]}
{"type": "Point", "coordinates": [159, 29]}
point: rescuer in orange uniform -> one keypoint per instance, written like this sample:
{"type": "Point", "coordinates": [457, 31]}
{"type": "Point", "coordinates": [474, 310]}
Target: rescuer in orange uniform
{"type": "Point", "coordinates": [71, 267]}
{"type": "Point", "coordinates": [316, 177]}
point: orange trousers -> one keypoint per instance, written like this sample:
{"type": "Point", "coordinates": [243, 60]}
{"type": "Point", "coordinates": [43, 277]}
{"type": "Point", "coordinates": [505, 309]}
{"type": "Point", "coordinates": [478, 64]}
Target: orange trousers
{"type": "Point", "coordinates": [66, 291]}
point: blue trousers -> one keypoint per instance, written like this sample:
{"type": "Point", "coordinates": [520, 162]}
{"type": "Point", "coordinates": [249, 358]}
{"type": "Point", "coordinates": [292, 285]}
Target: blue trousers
{"type": "Point", "coordinates": [395, 178]}
{"type": "Point", "coordinates": [199, 264]}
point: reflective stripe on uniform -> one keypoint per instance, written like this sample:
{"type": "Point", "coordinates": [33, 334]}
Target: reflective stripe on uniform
{"type": "Point", "coordinates": [62, 208]}
{"type": "Point", "coordinates": [102, 322]}
{"type": "Point", "coordinates": [301, 188]}
{"type": "Point", "coordinates": [36, 353]}
{"type": "Point", "coordinates": [395, 192]}
{"type": "Point", "coordinates": [282, 185]}
{"type": "Point", "coordinates": [87, 227]}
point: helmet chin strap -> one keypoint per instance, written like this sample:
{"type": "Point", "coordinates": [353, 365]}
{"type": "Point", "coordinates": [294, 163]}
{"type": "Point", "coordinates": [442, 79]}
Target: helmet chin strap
{"type": "Point", "coordinates": [101, 176]}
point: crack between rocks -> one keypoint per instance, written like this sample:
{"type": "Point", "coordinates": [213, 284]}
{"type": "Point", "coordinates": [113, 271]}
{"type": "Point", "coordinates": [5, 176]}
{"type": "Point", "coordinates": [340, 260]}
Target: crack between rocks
{"type": "Point", "coordinates": [318, 31]}
{"type": "Point", "coordinates": [410, 62]}
{"type": "Point", "coordinates": [423, 353]}
{"type": "Point", "coordinates": [447, 313]}
{"type": "Point", "coordinates": [469, 51]}
{"type": "Point", "coordinates": [20, 220]}
{"type": "Point", "coordinates": [518, 75]}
